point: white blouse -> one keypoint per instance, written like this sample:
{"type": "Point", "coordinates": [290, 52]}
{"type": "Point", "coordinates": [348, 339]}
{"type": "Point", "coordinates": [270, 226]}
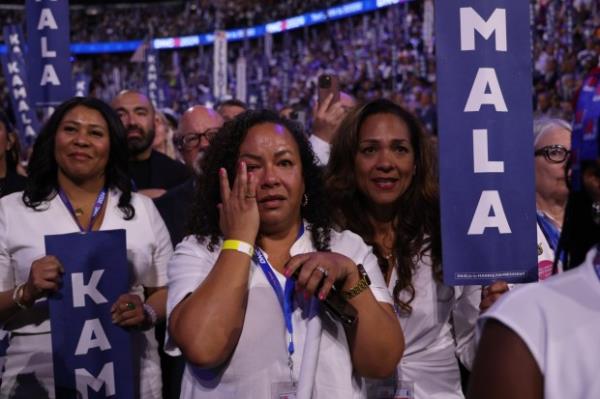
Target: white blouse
{"type": "Point", "coordinates": [439, 330]}
{"type": "Point", "coordinates": [22, 232]}
{"type": "Point", "coordinates": [260, 357]}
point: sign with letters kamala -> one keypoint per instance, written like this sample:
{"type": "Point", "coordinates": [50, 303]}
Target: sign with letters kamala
{"type": "Point", "coordinates": [15, 74]}
{"type": "Point", "coordinates": [92, 356]}
{"type": "Point", "coordinates": [486, 141]}
{"type": "Point", "coordinates": [48, 38]}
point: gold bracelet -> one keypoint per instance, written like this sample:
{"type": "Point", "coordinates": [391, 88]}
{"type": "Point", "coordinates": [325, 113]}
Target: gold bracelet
{"type": "Point", "coordinates": [18, 296]}
{"type": "Point", "coordinates": [240, 246]}
{"type": "Point", "coordinates": [362, 284]}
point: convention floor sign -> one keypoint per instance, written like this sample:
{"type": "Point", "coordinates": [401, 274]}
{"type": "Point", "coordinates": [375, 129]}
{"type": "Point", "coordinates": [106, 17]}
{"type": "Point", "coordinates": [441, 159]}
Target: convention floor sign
{"type": "Point", "coordinates": [92, 356]}
{"type": "Point", "coordinates": [484, 77]}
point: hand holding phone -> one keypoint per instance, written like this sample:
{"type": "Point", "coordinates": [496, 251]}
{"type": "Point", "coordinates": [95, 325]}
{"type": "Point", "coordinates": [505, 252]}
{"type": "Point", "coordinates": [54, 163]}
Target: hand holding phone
{"type": "Point", "coordinates": [328, 84]}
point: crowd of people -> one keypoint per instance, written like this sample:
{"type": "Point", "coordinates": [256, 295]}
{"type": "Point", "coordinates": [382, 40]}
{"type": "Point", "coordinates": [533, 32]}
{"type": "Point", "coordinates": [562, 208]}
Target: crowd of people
{"type": "Point", "coordinates": [373, 54]}
{"type": "Point", "coordinates": [124, 21]}
{"type": "Point", "coordinates": [290, 246]}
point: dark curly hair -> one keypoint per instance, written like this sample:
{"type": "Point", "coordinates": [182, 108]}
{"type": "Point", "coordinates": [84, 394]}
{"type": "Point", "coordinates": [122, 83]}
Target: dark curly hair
{"type": "Point", "coordinates": [224, 152]}
{"type": "Point", "coordinates": [417, 218]}
{"type": "Point", "coordinates": [42, 169]}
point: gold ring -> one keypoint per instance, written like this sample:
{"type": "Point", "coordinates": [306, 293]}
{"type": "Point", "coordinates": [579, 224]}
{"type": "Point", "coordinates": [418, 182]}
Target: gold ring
{"type": "Point", "coordinates": [323, 270]}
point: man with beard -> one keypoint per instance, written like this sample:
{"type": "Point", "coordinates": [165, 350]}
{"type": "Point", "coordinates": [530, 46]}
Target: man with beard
{"type": "Point", "coordinates": [153, 172]}
{"type": "Point", "coordinates": [196, 127]}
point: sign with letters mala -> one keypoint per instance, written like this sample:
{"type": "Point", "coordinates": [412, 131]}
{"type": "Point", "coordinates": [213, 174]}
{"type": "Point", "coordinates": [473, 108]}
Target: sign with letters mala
{"type": "Point", "coordinates": [92, 356]}
{"type": "Point", "coordinates": [48, 54]}
{"type": "Point", "coordinates": [486, 141]}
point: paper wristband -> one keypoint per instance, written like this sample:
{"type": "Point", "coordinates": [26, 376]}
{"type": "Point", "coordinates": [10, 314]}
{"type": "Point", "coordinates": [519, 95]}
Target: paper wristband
{"type": "Point", "coordinates": [239, 246]}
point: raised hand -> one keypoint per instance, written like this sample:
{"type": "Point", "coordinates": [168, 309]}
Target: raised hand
{"type": "Point", "coordinates": [238, 211]}
{"type": "Point", "coordinates": [328, 116]}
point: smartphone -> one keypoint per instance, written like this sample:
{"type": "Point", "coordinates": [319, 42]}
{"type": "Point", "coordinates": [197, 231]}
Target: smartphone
{"type": "Point", "coordinates": [328, 83]}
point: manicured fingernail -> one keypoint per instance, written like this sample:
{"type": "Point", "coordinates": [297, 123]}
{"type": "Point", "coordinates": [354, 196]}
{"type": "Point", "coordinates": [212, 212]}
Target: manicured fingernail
{"type": "Point", "coordinates": [286, 272]}
{"type": "Point", "coordinates": [322, 297]}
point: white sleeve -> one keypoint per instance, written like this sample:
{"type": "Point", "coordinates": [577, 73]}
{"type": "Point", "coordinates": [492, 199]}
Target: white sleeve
{"type": "Point", "coordinates": [464, 319]}
{"type": "Point", "coordinates": [188, 267]}
{"type": "Point", "coordinates": [321, 148]}
{"type": "Point", "coordinates": [161, 249]}
{"type": "Point", "coordinates": [7, 278]}
{"type": "Point", "coordinates": [353, 246]}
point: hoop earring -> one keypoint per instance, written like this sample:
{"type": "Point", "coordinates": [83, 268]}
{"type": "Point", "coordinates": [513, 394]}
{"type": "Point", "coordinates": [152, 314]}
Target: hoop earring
{"type": "Point", "coordinates": [305, 200]}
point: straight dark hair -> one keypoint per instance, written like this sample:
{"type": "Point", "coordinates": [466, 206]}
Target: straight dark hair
{"type": "Point", "coordinates": [42, 169]}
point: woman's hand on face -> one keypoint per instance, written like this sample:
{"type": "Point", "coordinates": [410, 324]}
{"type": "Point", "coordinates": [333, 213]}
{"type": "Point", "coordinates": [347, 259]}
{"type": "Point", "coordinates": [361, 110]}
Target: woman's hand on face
{"type": "Point", "coordinates": [238, 212]}
{"type": "Point", "coordinates": [318, 271]}
{"type": "Point", "coordinates": [45, 277]}
{"type": "Point", "coordinates": [491, 293]}
{"type": "Point", "coordinates": [128, 311]}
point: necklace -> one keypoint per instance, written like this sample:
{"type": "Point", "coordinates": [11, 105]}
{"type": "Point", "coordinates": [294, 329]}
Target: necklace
{"type": "Point", "coordinates": [389, 256]}
{"type": "Point", "coordinates": [78, 212]}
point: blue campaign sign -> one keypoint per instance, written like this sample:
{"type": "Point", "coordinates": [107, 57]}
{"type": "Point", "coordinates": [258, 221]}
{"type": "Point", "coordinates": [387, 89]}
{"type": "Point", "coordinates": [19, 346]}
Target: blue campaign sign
{"type": "Point", "coordinates": [486, 141]}
{"type": "Point", "coordinates": [92, 356]}
{"type": "Point", "coordinates": [13, 64]}
{"type": "Point", "coordinates": [48, 54]}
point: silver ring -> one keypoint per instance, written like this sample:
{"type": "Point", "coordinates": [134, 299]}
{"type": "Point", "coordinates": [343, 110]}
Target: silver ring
{"type": "Point", "coordinates": [323, 270]}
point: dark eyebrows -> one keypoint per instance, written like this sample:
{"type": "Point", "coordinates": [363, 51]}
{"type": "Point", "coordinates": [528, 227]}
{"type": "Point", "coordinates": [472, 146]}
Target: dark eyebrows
{"type": "Point", "coordinates": [141, 108]}
{"type": "Point", "coordinates": [375, 141]}
{"type": "Point", "coordinates": [282, 153]}
{"type": "Point", "coordinates": [251, 156]}
{"type": "Point", "coordinates": [92, 125]}
{"type": "Point", "coordinates": [255, 157]}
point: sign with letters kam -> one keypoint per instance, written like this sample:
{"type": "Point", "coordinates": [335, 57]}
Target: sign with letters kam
{"type": "Point", "coordinates": [92, 356]}
{"type": "Point", "coordinates": [486, 141]}
{"type": "Point", "coordinates": [48, 51]}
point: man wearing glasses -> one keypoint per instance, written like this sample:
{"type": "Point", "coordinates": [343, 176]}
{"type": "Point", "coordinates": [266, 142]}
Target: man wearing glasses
{"type": "Point", "coordinates": [552, 143]}
{"type": "Point", "coordinates": [196, 127]}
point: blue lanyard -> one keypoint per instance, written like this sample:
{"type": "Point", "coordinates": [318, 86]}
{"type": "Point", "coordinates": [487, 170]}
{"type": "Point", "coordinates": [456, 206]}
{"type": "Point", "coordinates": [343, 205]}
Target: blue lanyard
{"type": "Point", "coordinates": [551, 232]}
{"type": "Point", "coordinates": [285, 296]}
{"type": "Point", "coordinates": [96, 210]}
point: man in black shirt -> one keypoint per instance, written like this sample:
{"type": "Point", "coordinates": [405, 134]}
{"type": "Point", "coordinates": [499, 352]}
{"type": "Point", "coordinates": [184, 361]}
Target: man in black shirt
{"type": "Point", "coordinates": [196, 128]}
{"type": "Point", "coordinates": [152, 172]}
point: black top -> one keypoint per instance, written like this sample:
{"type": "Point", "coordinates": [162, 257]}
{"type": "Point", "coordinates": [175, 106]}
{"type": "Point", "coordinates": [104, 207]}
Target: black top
{"type": "Point", "coordinates": [158, 171]}
{"type": "Point", "coordinates": [175, 208]}
{"type": "Point", "coordinates": [12, 183]}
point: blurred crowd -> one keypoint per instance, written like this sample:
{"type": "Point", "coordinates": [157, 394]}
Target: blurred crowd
{"type": "Point", "coordinates": [373, 54]}
{"type": "Point", "coordinates": [124, 21]}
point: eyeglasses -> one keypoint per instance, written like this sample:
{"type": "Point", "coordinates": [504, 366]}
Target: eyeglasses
{"type": "Point", "coordinates": [553, 153]}
{"type": "Point", "coordinates": [190, 141]}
